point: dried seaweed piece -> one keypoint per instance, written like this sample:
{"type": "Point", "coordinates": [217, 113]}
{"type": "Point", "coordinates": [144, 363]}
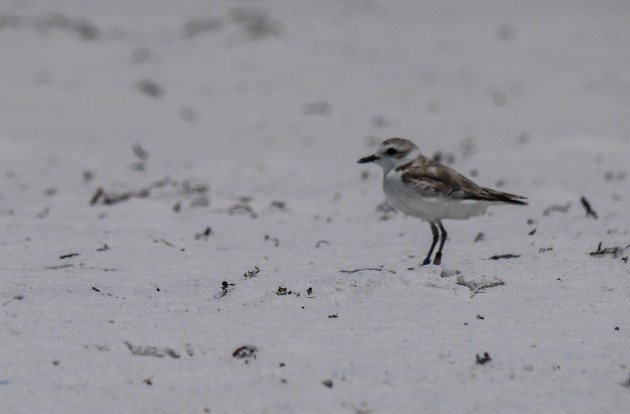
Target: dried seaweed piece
{"type": "Point", "coordinates": [504, 256]}
{"type": "Point", "coordinates": [588, 208]}
{"type": "Point", "coordinates": [283, 291]}
{"type": "Point", "coordinates": [321, 242]}
{"type": "Point", "coordinates": [279, 205]}
{"type": "Point", "coordinates": [376, 269]}
{"type": "Point", "coordinates": [97, 195]}
{"type": "Point", "coordinates": [226, 287]}
{"type": "Point", "coordinates": [601, 251]}
{"type": "Point", "coordinates": [151, 351]}
{"type": "Point", "coordinates": [204, 234]}
{"type": "Point", "coordinates": [240, 207]}
{"type": "Point", "coordinates": [482, 360]}
{"type": "Point", "coordinates": [251, 273]}
{"type": "Point", "coordinates": [245, 352]}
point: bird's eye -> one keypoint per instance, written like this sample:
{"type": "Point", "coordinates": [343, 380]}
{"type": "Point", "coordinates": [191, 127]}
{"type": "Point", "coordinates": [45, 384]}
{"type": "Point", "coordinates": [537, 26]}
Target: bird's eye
{"type": "Point", "coordinates": [391, 151]}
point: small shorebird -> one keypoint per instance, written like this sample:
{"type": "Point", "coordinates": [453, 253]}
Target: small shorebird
{"type": "Point", "coordinates": [425, 189]}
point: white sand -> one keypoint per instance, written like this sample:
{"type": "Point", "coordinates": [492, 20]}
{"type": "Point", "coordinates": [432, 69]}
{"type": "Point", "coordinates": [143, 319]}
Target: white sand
{"type": "Point", "coordinates": [277, 102]}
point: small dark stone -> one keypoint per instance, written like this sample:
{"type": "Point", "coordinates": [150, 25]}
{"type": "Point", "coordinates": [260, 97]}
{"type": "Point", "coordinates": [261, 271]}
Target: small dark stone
{"type": "Point", "coordinates": [327, 383]}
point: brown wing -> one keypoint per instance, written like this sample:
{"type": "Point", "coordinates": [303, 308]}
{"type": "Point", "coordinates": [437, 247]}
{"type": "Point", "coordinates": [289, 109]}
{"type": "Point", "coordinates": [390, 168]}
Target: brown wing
{"type": "Point", "coordinates": [431, 179]}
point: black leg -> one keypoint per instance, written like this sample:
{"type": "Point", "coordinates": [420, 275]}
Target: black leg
{"type": "Point", "coordinates": [434, 230]}
{"type": "Point", "coordinates": [438, 255]}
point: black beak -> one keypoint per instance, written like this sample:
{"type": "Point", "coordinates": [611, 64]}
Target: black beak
{"type": "Point", "coordinates": [371, 158]}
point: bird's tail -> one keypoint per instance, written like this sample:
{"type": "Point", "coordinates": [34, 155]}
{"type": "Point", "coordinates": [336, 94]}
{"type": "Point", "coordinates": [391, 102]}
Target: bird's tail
{"type": "Point", "coordinates": [494, 195]}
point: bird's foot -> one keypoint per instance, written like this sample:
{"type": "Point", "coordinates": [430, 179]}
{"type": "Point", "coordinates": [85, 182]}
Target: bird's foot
{"type": "Point", "coordinates": [427, 261]}
{"type": "Point", "coordinates": [438, 259]}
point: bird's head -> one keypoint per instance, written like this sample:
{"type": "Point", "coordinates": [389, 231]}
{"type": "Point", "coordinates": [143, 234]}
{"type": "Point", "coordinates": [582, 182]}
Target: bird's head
{"type": "Point", "coordinates": [391, 153]}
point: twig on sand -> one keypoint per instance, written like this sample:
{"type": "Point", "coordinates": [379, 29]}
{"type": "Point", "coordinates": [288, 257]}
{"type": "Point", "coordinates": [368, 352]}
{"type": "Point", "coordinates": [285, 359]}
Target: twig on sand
{"type": "Point", "coordinates": [478, 286]}
{"type": "Point", "coordinates": [602, 251]}
{"type": "Point", "coordinates": [108, 199]}
{"type": "Point", "coordinates": [588, 208]}
{"type": "Point", "coordinates": [376, 269]}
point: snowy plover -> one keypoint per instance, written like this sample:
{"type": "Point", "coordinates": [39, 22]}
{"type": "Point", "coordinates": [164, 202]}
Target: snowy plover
{"type": "Point", "coordinates": [430, 191]}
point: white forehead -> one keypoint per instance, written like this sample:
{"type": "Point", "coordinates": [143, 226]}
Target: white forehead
{"type": "Point", "coordinates": [400, 144]}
